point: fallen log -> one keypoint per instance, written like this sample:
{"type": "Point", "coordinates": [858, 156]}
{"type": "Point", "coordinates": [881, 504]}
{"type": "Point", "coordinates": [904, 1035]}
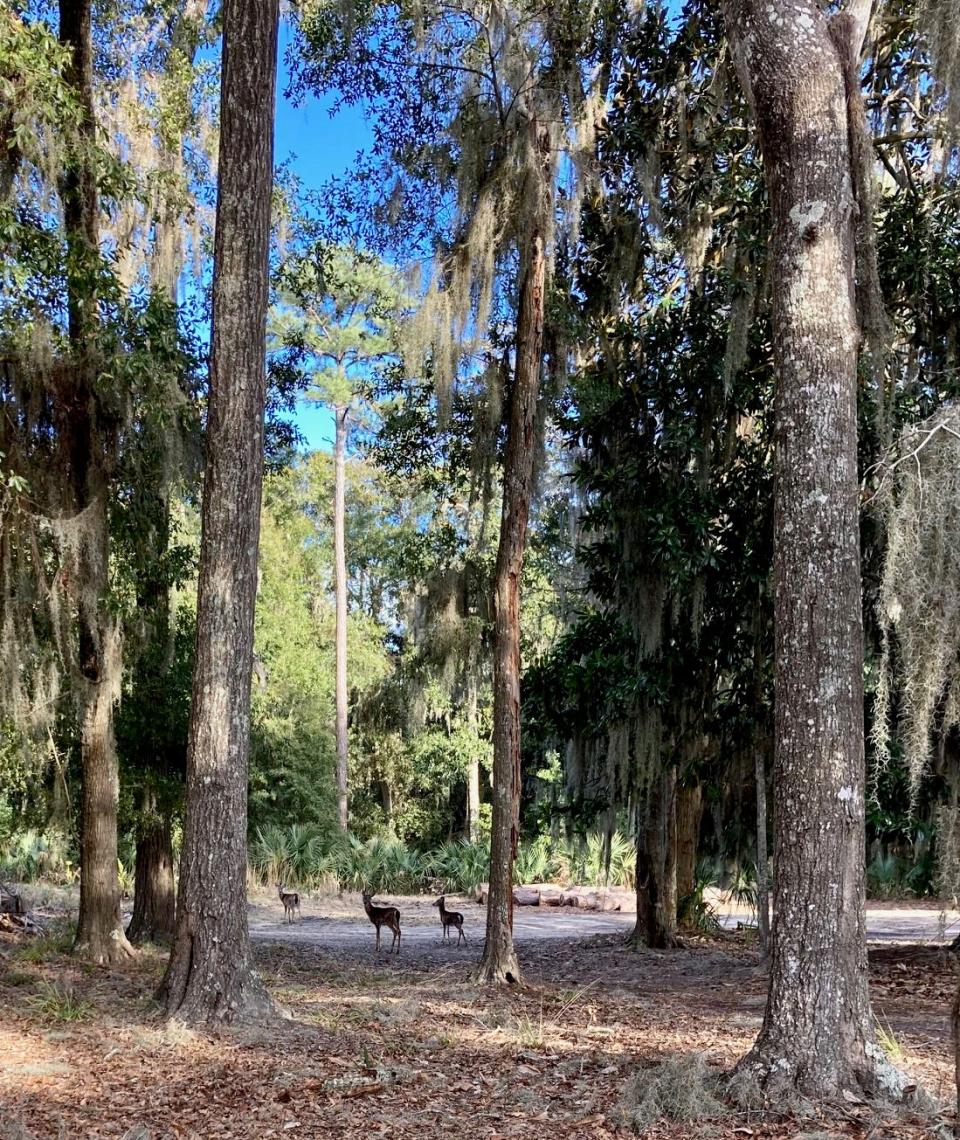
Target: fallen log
{"type": "Point", "coordinates": [19, 924]}
{"type": "Point", "coordinates": [581, 898]}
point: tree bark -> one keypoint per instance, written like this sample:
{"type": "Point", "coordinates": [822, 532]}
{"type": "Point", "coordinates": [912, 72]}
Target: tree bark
{"type": "Point", "coordinates": [84, 433]}
{"type": "Point", "coordinates": [955, 1035]}
{"type": "Point", "coordinates": [656, 924]}
{"type": "Point", "coordinates": [760, 779]}
{"type": "Point", "coordinates": [817, 1037]}
{"type": "Point", "coordinates": [210, 976]}
{"type": "Point", "coordinates": [153, 894]}
{"type": "Point", "coordinates": [689, 812]}
{"type": "Point", "coordinates": [499, 962]}
{"type": "Point", "coordinates": [763, 891]}
{"type": "Point", "coordinates": [340, 588]}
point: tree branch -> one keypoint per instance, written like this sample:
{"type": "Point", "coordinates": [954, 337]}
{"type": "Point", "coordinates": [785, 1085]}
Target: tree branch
{"type": "Point", "coordinates": [858, 12]}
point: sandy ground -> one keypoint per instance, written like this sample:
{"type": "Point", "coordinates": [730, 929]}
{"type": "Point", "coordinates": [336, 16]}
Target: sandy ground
{"type": "Point", "coordinates": [397, 1045]}
{"type": "Point", "coordinates": [340, 920]}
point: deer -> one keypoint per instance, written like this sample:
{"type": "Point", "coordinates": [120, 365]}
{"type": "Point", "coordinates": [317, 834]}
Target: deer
{"type": "Point", "coordinates": [387, 916]}
{"type": "Point", "coordinates": [290, 900]}
{"type": "Point", "coordinates": [450, 918]}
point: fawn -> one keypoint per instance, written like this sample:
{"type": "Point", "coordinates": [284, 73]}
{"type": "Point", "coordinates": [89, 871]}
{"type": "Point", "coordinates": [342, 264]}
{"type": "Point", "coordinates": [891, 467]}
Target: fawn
{"type": "Point", "coordinates": [450, 918]}
{"type": "Point", "coordinates": [290, 900]}
{"type": "Point", "coordinates": [387, 916]}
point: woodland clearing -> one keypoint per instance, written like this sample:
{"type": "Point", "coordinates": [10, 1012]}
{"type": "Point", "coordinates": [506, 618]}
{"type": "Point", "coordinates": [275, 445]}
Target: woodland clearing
{"type": "Point", "coordinates": [392, 1045]}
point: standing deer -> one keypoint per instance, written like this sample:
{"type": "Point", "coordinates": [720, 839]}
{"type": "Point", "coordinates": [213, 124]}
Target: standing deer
{"type": "Point", "coordinates": [290, 900]}
{"type": "Point", "coordinates": [387, 916]}
{"type": "Point", "coordinates": [450, 918]}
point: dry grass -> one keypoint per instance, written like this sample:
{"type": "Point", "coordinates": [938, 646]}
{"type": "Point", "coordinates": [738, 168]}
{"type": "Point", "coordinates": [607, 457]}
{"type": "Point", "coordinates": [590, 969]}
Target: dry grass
{"type": "Point", "coordinates": [681, 1088]}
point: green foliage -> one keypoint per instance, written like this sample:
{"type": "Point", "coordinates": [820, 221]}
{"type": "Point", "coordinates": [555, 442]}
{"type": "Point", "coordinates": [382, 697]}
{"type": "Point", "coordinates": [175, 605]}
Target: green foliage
{"type": "Point", "coordinates": [743, 885]}
{"type": "Point", "coordinates": [587, 860]}
{"type": "Point", "coordinates": [694, 909]}
{"type": "Point", "coordinates": [296, 855]}
{"type": "Point", "coordinates": [305, 856]}
{"type": "Point", "coordinates": [292, 753]}
{"type": "Point", "coordinates": [58, 938]}
{"type": "Point", "coordinates": [336, 313]}
{"type": "Point", "coordinates": [888, 1042]}
{"type": "Point", "coordinates": [460, 866]}
{"type": "Point", "coordinates": [310, 856]}
{"type": "Point", "coordinates": [534, 862]}
{"type": "Point", "coordinates": [40, 114]}
{"type": "Point", "coordinates": [891, 876]}
{"type": "Point", "coordinates": [28, 856]}
{"type": "Point", "coordinates": [379, 865]}
{"type": "Point", "coordinates": [23, 762]}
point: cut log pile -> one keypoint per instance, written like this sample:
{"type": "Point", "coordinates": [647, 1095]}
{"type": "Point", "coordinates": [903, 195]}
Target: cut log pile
{"type": "Point", "coordinates": [580, 898]}
{"type": "Point", "coordinates": [14, 918]}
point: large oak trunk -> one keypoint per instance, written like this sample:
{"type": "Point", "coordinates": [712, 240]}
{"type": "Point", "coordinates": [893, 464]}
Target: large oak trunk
{"type": "Point", "coordinates": [210, 976]}
{"type": "Point", "coordinates": [154, 908]}
{"type": "Point", "coordinates": [689, 814]}
{"type": "Point", "coordinates": [656, 924]}
{"type": "Point", "coordinates": [763, 886]}
{"type": "Point", "coordinates": [760, 748]}
{"type": "Point", "coordinates": [84, 433]}
{"type": "Point", "coordinates": [499, 962]}
{"type": "Point", "coordinates": [340, 585]}
{"type": "Point", "coordinates": [817, 1034]}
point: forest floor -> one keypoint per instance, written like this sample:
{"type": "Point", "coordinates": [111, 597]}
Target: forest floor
{"type": "Point", "coordinates": [387, 1045]}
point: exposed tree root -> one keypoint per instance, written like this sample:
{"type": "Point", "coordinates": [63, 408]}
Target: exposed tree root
{"type": "Point", "coordinates": [104, 948]}
{"type": "Point", "coordinates": [665, 940]}
{"type": "Point", "coordinates": [189, 998]}
{"type": "Point", "coordinates": [501, 969]}
{"type": "Point", "coordinates": [764, 1080]}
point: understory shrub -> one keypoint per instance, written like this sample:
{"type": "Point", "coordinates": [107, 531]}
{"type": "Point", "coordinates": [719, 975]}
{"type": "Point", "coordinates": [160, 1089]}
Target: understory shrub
{"type": "Point", "coordinates": [311, 857]}
{"type": "Point", "coordinates": [460, 866]}
{"type": "Point", "coordinates": [891, 876]}
{"type": "Point", "coordinates": [32, 855]}
{"type": "Point", "coordinates": [694, 909]}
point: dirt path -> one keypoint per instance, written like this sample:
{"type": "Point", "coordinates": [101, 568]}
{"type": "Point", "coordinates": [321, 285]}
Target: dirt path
{"type": "Point", "coordinates": [423, 929]}
{"type": "Point", "coordinates": [340, 922]}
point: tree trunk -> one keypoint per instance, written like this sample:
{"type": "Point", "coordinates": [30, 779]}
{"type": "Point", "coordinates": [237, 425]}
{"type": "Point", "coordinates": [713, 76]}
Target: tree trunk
{"type": "Point", "coordinates": [85, 434]}
{"type": "Point", "coordinates": [210, 978]}
{"type": "Point", "coordinates": [340, 587]}
{"type": "Point", "coordinates": [689, 812]}
{"type": "Point", "coordinates": [153, 897]}
{"type": "Point", "coordinates": [760, 779]}
{"type": "Point", "coordinates": [955, 1034]}
{"type": "Point", "coordinates": [763, 892]}
{"type": "Point", "coordinates": [499, 962]}
{"type": "Point", "coordinates": [817, 1036]}
{"type": "Point", "coordinates": [657, 865]}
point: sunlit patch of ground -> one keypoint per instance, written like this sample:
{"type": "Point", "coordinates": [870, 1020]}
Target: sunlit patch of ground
{"type": "Point", "coordinates": [409, 1046]}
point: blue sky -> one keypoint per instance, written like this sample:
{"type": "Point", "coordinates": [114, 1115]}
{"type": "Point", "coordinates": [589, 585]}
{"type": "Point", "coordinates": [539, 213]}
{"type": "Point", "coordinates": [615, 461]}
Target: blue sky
{"type": "Point", "coordinates": [318, 146]}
